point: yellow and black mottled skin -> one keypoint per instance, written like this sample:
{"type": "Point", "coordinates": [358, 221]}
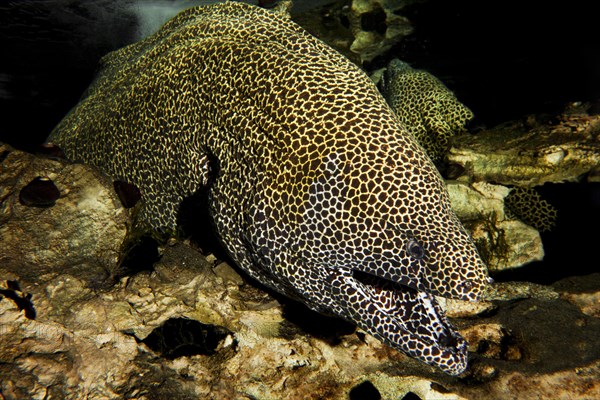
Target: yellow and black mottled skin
{"type": "Point", "coordinates": [428, 109]}
{"type": "Point", "coordinates": [528, 205]}
{"type": "Point", "coordinates": [316, 189]}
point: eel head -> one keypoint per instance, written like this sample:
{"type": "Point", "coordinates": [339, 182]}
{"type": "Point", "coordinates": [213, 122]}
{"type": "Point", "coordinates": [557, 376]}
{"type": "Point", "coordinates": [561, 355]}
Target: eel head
{"type": "Point", "coordinates": [381, 249]}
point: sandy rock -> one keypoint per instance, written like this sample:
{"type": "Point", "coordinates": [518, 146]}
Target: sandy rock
{"type": "Point", "coordinates": [503, 243]}
{"type": "Point", "coordinates": [531, 153]}
{"type": "Point", "coordinates": [361, 29]}
{"type": "Point", "coordinates": [83, 232]}
{"type": "Point", "coordinates": [581, 291]}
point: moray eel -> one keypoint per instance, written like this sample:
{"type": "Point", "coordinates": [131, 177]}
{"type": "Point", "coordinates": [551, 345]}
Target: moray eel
{"type": "Point", "coordinates": [428, 109]}
{"type": "Point", "coordinates": [314, 187]}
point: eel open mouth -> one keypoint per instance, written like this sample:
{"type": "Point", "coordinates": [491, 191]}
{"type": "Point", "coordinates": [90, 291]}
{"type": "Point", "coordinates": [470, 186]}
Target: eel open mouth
{"type": "Point", "coordinates": [410, 321]}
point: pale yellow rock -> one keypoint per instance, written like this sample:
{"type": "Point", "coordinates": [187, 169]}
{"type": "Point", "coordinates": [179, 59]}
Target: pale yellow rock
{"type": "Point", "coordinates": [503, 243]}
{"type": "Point", "coordinates": [528, 156]}
{"type": "Point", "coordinates": [87, 223]}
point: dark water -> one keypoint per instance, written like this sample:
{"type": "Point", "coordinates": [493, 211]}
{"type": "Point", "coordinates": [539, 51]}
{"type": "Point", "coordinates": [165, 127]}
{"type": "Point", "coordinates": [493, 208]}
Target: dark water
{"type": "Point", "coordinates": [571, 247]}
{"type": "Point", "coordinates": [506, 59]}
{"type": "Point", "coordinates": [503, 59]}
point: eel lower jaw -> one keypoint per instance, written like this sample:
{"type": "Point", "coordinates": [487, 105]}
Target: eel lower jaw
{"type": "Point", "coordinates": [414, 323]}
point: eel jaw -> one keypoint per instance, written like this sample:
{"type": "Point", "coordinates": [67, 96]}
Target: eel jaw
{"type": "Point", "coordinates": [410, 321]}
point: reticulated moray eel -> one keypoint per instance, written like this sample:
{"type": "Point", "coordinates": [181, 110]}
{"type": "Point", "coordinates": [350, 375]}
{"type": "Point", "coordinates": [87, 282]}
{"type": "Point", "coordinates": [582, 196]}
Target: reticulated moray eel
{"type": "Point", "coordinates": [428, 109]}
{"type": "Point", "coordinates": [314, 187]}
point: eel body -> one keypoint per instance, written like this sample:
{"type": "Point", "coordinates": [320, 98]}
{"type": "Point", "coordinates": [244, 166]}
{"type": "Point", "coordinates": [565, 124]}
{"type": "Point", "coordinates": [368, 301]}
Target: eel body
{"type": "Point", "coordinates": [428, 109]}
{"type": "Point", "coordinates": [314, 186]}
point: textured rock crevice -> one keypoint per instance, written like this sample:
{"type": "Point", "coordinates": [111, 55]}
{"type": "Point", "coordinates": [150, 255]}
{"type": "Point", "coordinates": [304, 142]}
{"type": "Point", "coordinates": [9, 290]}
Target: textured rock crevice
{"type": "Point", "coordinates": [82, 341]}
{"type": "Point", "coordinates": [72, 327]}
{"type": "Point", "coordinates": [531, 153]}
{"type": "Point", "coordinates": [86, 224]}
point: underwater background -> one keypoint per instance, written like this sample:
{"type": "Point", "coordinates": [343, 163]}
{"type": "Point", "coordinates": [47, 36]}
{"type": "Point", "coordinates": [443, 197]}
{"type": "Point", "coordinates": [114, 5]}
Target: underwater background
{"type": "Point", "coordinates": [504, 60]}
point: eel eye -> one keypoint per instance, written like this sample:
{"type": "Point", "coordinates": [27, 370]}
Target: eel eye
{"type": "Point", "coordinates": [415, 249]}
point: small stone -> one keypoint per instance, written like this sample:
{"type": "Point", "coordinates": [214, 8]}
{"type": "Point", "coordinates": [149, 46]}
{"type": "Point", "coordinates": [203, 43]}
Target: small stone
{"type": "Point", "coordinates": [211, 258]}
{"type": "Point", "coordinates": [555, 157]}
{"type": "Point", "coordinates": [483, 372]}
{"type": "Point", "coordinates": [227, 273]}
{"type": "Point", "coordinates": [486, 339]}
{"type": "Point", "coordinates": [513, 353]}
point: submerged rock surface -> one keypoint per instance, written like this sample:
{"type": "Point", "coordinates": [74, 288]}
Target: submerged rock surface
{"type": "Point", "coordinates": [190, 326]}
{"type": "Point", "coordinates": [81, 232]}
{"type": "Point", "coordinates": [532, 153]}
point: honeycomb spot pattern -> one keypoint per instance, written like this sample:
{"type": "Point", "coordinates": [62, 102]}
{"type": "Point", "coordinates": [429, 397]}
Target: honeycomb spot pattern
{"type": "Point", "coordinates": [528, 205]}
{"type": "Point", "coordinates": [314, 187]}
{"type": "Point", "coordinates": [427, 108]}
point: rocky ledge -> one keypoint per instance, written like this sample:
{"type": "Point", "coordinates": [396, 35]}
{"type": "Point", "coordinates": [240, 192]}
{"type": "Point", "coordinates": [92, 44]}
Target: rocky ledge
{"type": "Point", "coordinates": [75, 322]}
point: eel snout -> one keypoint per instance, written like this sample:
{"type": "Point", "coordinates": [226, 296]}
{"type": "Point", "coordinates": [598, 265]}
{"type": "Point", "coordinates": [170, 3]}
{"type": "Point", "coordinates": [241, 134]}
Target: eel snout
{"type": "Point", "coordinates": [408, 320]}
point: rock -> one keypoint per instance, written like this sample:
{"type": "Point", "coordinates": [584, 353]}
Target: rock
{"type": "Point", "coordinates": [81, 231]}
{"type": "Point", "coordinates": [45, 359]}
{"type": "Point", "coordinates": [507, 291]}
{"type": "Point", "coordinates": [581, 291]}
{"type": "Point", "coordinates": [471, 201]}
{"type": "Point", "coordinates": [517, 353]}
{"type": "Point", "coordinates": [361, 30]}
{"type": "Point", "coordinates": [503, 243]}
{"type": "Point", "coordinates": [588, 303]}
{"type": "Point", "coordinates": [398, 387]}
{"type": "Point", "coordinates": [504, 291]}
{"type": "Point", "coordinates": [531, 153]}
{"type": "Point", "coordinates": [192, 327]}
{"type": "Point", "coordinates": [580, 383]}
{"type": "Point", "coordinates": [467, 309]}
{"type": "Point", "coordinates": [226, 272]}
{"type": "Point", "coordinates": [104, 351]}
{"type": "Point", "coordinates": [99, 345]}
{"type": "Point", "coordinates": [377, 25]}
{"type": "Point", "coordinates": [554, 334]}
{"type": "Point", "coordinates": [492, 341]}
{"type": "Point", "coordinates": [506, 244]}
{"type": "Point", "coordinates": [330, 23]}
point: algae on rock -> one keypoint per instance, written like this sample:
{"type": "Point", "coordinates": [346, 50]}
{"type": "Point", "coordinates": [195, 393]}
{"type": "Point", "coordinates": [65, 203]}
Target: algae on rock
{"type": "Point", "coordinates": [532, 153]}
